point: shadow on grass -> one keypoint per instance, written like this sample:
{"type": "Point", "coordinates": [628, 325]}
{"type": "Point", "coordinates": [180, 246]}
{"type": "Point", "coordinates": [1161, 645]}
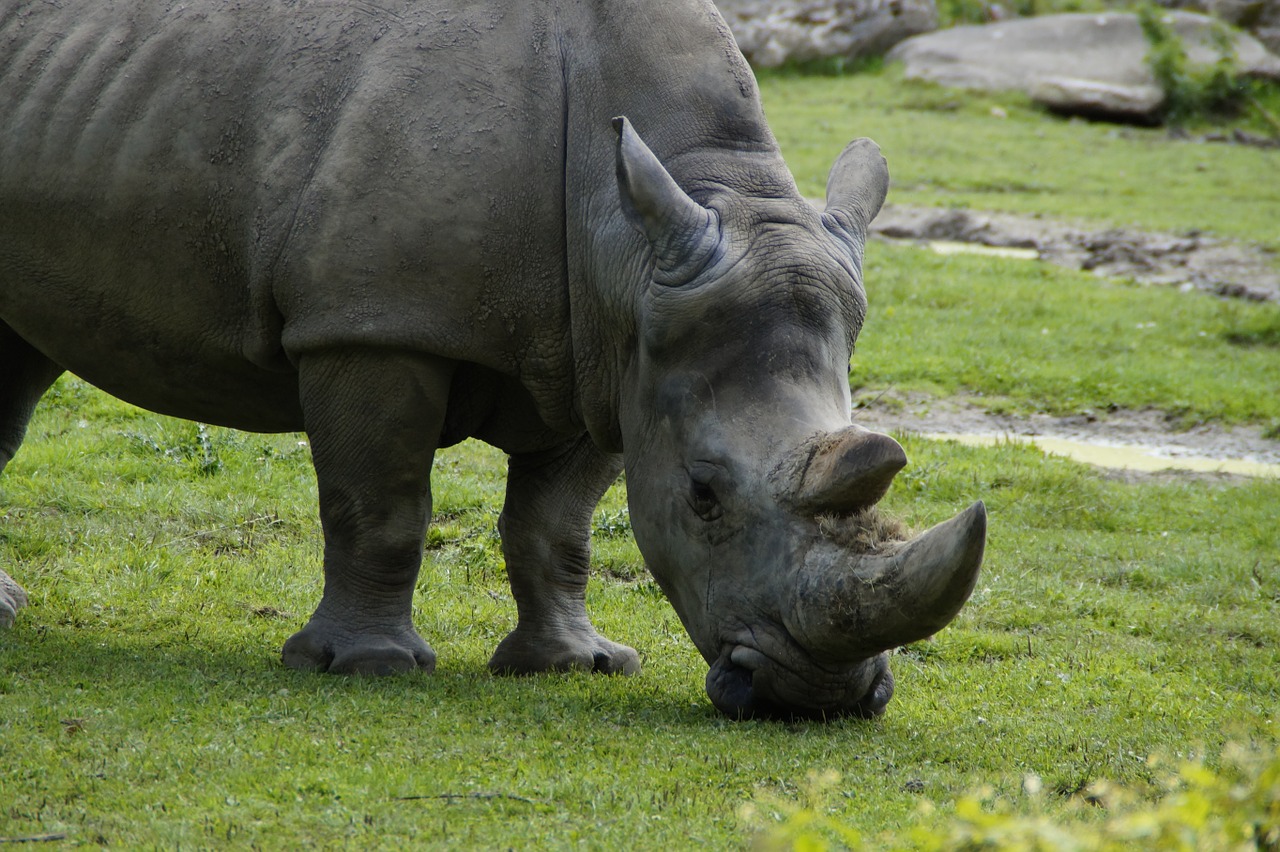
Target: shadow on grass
{"type": "Point", "coordinates": [58, 662]}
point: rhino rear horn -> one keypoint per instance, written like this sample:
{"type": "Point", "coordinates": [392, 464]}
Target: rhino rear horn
{"type": "Point", "coordinates": [856, 189]}
{"type": "Point", "coordinates": [684, 235]}
{"type": "Point", "coordinates": [839, 472]}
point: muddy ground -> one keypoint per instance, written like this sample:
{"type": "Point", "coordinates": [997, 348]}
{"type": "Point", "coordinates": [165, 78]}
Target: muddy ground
{"type": "Point", "coordinates": [895, 411]}
{"type": "Point", "coordinates": [1189, 261]}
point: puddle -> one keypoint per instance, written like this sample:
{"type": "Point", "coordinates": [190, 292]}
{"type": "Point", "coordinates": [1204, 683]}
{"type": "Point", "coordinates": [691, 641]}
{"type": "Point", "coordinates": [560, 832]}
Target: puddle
{"type": "Point", "coordinates": [954, 247]}
{"type": "Point", "coordinates": [1117, 456]}
{"type": "Point", "coordinates": [1139, 442]}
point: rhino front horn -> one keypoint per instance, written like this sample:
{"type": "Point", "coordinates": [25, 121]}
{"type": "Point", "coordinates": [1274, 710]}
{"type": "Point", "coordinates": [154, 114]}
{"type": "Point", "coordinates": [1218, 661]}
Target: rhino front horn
{"type": "Point", "coordinates": [848, 608]}
{"type": "Point", "coordinates": [684, 235]}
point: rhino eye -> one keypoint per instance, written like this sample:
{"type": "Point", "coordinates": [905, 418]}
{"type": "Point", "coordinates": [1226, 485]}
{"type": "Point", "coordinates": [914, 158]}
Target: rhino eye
{"type": "Point", "coordinates": [702, 495]}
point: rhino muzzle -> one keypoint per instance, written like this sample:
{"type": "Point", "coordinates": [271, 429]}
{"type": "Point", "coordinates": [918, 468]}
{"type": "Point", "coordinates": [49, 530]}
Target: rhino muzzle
{"type": "Point", "coordinates": [743, 684]}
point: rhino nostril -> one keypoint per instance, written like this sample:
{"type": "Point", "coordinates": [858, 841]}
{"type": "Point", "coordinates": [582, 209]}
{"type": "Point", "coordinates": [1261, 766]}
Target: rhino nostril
{"type": "Point", "coordinates": [729, 688]}
{"type": "Point", "coordinates": [748, 658]}
{"type": "Point", "coordinates": [877, 697]}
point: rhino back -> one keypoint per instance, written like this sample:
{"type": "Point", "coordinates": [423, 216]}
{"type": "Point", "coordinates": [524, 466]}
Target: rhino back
{"type": "Point", "coordinates": [192, 196]}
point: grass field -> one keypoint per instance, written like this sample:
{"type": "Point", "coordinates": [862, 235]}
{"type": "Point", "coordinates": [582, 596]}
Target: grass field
{"type": "Point", "coordinates": [143, 705]}
{"type": "Point", "coordinates": [1000, 152]}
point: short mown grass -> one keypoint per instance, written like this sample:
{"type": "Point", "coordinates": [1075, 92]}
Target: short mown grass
{"type": "Point", "coordinates": [143, 704]}
{"type": "Point", "coordinates": [1028, 336]}
{"type": "Point", "coordinates": [1000, 152]}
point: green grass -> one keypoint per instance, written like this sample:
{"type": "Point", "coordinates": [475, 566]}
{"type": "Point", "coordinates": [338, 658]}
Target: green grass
{"type": "Point", "coordinates": [1029, 336]}
{"type": "Point", "coordinates": [1000, 152]}
{"type": "Point", "coordinates": [143, 704]}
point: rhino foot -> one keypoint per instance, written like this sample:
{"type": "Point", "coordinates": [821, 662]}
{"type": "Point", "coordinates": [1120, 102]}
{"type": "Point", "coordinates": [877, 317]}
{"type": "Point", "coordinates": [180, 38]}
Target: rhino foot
{"type": "Point", "coordinates": [322, 646]}
{"type": "Point", "coordinates": [12, 599]}
{"type": "Point", "coordinates": [526, 652]}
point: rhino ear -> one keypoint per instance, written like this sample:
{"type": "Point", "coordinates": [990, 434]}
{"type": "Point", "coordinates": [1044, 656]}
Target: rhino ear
{"type": "Point", "coordinates": [684, 235]}
{"type": "Point", "coordinates": [856, 188]}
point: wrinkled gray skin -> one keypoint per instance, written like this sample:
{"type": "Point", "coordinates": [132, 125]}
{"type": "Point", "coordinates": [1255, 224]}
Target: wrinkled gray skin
{"type": "Point", "coordinates": [399, 225]}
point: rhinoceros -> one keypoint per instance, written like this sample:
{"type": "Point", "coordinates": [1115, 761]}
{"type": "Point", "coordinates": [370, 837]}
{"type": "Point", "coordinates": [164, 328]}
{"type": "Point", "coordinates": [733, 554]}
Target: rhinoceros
{"type": "Point", "coordinates": [562, 227]}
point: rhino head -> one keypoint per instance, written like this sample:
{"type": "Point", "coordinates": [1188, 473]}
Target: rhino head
{"type": "Point", "coordinates": [751, 492]}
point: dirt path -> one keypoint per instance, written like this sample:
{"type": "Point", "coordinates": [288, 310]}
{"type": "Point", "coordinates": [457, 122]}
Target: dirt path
{"type": "Point", "coordinates": [1189, 261]}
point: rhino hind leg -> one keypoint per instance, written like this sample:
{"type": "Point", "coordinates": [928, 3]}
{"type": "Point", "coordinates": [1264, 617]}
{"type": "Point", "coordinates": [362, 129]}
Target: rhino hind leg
{"type": "Point", "coordinates": [25, 375]}
{"type": "Point", "coordinates": [546, 539]}
{"type": "Point", "coordinates": [374, 420]}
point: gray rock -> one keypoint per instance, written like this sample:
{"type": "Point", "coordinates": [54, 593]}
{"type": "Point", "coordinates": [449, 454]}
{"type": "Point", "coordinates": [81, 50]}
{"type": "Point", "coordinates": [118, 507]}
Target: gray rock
{"type": "Point", "coordinates": [1073, 95]}
{"type": "Point", "coordinates": [1260, 18]}
{"type": "Point", "coordinates": [773, 32]}
{"type": "Point", "coordinates": [1078, 63]}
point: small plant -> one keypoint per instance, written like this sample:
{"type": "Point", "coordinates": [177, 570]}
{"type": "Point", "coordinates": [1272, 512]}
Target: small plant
{"type": "Point", "coordinates": [1192, 93]}
{"type": "Point", "coordinates": [207, 461]}
{"type": "Point", "coordinates": [613, 524]}
{"type": "Point", "coordinates": [807, 826]}
{"type": "Point", "coordinates": [197, 451]}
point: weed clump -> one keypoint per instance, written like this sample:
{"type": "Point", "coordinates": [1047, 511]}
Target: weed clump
{"type": "Point", "coordinates": [1194, 93]}
{"type": "Point", "coordinates": [1236, 806]}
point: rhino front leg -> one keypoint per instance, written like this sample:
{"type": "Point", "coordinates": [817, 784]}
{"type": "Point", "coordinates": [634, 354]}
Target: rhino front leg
{"type": "Point", "coordinates": [25, 374]}
{"type": "Point", "coordinates": [12, 599]}
{"type": "Point", "coordinates": [374, 421]}
{"type": "Point", "coordinates": [546, 539]}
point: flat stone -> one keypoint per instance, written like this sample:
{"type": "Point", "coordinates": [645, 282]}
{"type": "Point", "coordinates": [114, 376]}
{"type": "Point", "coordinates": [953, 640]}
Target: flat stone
{"type": "Point", "coordinates": [1092, 97]}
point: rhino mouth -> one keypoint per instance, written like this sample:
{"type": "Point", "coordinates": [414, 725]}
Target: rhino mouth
{"type": "Point", "coordinates": [744, 683]}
